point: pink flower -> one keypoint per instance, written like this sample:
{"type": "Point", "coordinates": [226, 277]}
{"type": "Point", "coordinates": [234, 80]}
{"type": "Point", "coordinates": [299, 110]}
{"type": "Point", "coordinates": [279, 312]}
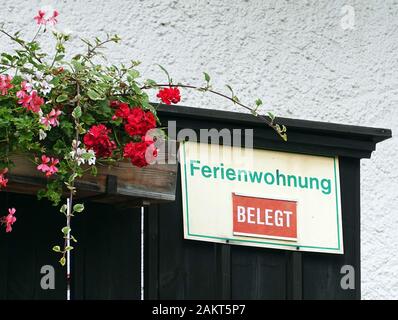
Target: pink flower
{"type": "Point", "coordinates": [9, 220]}
{"type": "Point", "coordinates": [52, 168]}
{"type": "Point", "coordinates": [40, 17]}
{"type": "Point", "coordinates": [43, 167]}
{"type": "Point", "coordinates": [32, 102]}
{"type": "Point", "coordinates": [36, 102]}
{"type": "Point", "coordinates": [43, 17]}
{"type": "Point", "coordinates": [24, 98]}
{"type": "Point", "coordinates": [5, 83]}
{"type": "Point", "coordinates": [51, 119]}
{"type": "Point", "coordinates": [25, 89]}
{"type": "Point", "coordinates": [3, 181]}
{"type": "Point", "coordinates": [25, 86]}
{"type": "Point", "coordinates": [48, 165]}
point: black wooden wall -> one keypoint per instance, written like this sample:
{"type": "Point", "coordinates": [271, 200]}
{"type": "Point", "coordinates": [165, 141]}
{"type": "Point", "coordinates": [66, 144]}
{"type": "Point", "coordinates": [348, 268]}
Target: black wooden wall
{"type": "Point", "coordinates": [106, 261]}
{"type": "Point", "coordinates": [186, 269]}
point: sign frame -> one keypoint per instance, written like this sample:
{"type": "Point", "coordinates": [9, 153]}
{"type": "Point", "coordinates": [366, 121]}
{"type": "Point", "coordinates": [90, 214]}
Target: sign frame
{"type": "Point", "coordinates": [339, 249]}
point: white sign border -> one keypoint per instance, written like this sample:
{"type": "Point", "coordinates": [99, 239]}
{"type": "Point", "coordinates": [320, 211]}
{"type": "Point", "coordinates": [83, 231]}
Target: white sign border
{"type": "Point", "coordinates": [257, 243]}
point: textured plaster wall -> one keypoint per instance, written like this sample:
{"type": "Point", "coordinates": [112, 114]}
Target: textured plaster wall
{"type": "Point", "coordinates": [302, 57]}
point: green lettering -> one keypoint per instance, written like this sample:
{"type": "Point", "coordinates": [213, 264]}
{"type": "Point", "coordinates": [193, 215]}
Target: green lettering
{"type": "Point", "coordinates": [255, 176]}
{"type": "Point", "coordinates": [193, 166]}
{"type": "Point", "coordinates": [269, 178]}
{"type": "Point", "coordinates": [230, 173]}
{"type": "Point", "coordinates": [206, 171]}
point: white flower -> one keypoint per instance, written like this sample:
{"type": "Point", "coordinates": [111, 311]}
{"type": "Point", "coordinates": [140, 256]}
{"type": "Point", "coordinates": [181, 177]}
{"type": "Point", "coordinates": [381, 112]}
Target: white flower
{"type": "Point", "coordinates": [79, 161]}
{"type": "Point", "coordinates": [45, 87]}
{"type": "Point", "coordinates": [42, 134]}
{"type": "Point", "coordinates": [39, 75]}
{"type": "Point", "coordinates": [77, 155]}
{"type": "Point", "coordinates": [92, 159]}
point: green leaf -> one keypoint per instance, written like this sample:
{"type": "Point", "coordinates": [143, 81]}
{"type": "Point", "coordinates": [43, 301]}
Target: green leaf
{"type": "Point", "coordinates": [150, 83]}
{"type": "Point", "coordinates": [166, 72]}
{"type": "Point", "coordinates": [59, 147]}
{"type": "Point", "coordinates": [80, 129]}
{"type": "Point", "coordinates": [63, 208]}
{"type": "Point", "coordinates": [79, 207]}
{"type": "Point", "coordinates": [62, 261]}
{"type": "Point", "coordinates": [65, 230]}
{"type": "Point", "coordinates": [59, 57]}
{"type": "Point", "coordinates": [94, 95]}
{"type": "Point", "coordinates": [94, 171]}
{"type": "Point", "coordinates": [62, 98]}
{"type": "Point", "coordinates": [258, 102]}
{"type": "Point", "coordinates": [68, 248]}
{"type": "Point", "coordinates": [88, 119]}
{"type": "Point", "coordinates": [77, 112]}
{"type": "Point", "coordinates": [57, 248]}
{"type": "Point", "coordinates": [207, 77]}
{"type": "Point", "coordinates": [73, 238]}
{"type": "Point", "coordinates": [230, 89]}
{"type": "Point", "coordinates": [72, 178]}
{"type": "Point", "coordinates": [133, 74]}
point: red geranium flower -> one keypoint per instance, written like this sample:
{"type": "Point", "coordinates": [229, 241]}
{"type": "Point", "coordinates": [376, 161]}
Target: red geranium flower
{"type": "Point", "coordinates": [139, 122]}
{"type": "Point", "coordinates": [9, 220]}
{"type": "Point", "coordinates": [123, 111]}
{"type": "Point", "coordinates": [98, 140]}
{"type": "Point", "coordinates": [169, 95]}
{"type": "Point", "coordinates": [141, 153]}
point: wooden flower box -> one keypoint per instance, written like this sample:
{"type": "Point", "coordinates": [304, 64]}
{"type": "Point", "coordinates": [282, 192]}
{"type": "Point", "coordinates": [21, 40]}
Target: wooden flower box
{"type": "Point", "coordinates": [120, 184]}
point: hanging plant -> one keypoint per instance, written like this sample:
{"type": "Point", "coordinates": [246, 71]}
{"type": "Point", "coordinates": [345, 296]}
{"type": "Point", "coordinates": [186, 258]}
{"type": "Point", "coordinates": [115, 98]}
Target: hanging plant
{"type": "Point", "coordinates": [69, 116]}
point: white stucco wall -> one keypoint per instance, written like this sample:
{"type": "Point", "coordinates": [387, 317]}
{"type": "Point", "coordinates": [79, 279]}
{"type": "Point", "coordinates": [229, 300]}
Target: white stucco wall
{"type": "Point", "coordinates": [298, 56]}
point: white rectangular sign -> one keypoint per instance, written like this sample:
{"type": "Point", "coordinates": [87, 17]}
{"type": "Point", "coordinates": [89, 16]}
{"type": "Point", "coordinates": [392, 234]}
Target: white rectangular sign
{"type": "Point", "coordinates": [261, 198]}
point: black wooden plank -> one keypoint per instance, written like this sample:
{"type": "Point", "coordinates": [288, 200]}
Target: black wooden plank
{"type": "Point", "coordinates": [223, 271]}
{"type": "Point", "coordinates": [258, 273]}
{"type": "Point", "coordinates": [294, 275]}
{"type": "Point", "coordinates": [186, 268]}
{"type": "Point", "coordinates": [22, 274]}
{"type": "Point", "coordinates": [37, 229]}
{"type": "Point", "coordinates": [151, 252]}
{"type": "Point", "coordinates": [47, 233]}
{"type": "Point", "coordinates": [112, 253]}
{"type": "Point", "coordinates": [4, 238]}
{"type": "Point", "coordinates": [321, 272]}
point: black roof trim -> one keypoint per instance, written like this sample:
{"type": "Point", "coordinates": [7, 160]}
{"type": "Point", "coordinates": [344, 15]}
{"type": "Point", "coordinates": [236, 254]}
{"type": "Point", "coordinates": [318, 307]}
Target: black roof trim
{"type": "Point", "coordinates": [304, 135]}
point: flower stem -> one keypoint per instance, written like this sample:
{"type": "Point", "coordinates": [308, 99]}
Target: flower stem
{"type": "Point", "coordinates": [67, 244]}
{"type": "Point", "coordinates": [37, 33]}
